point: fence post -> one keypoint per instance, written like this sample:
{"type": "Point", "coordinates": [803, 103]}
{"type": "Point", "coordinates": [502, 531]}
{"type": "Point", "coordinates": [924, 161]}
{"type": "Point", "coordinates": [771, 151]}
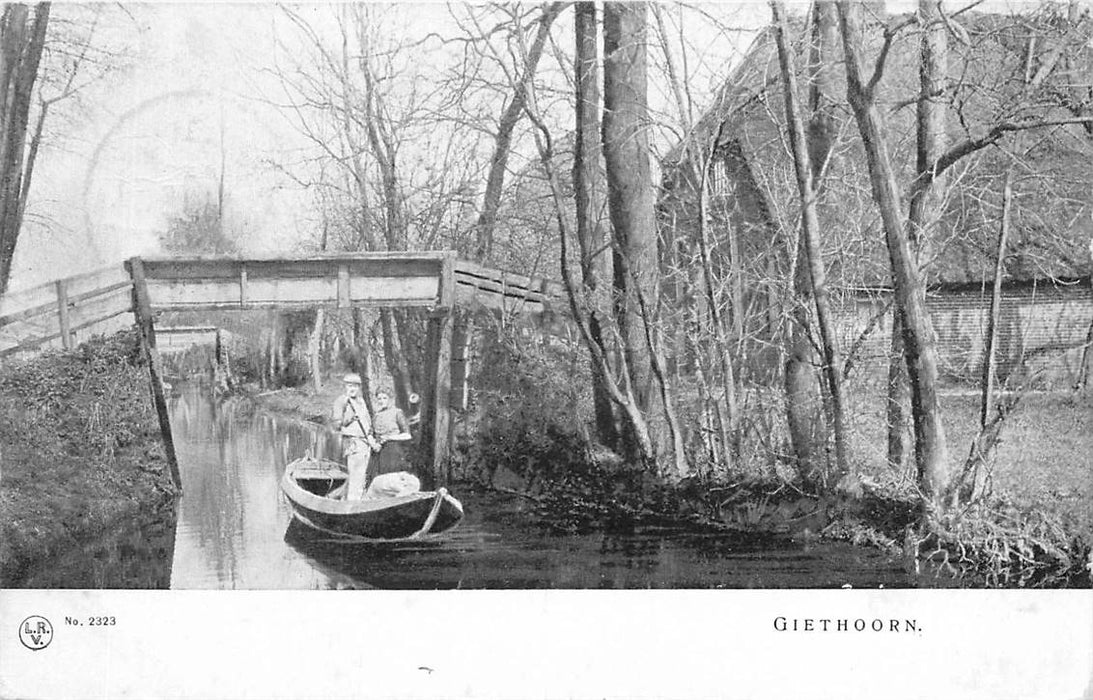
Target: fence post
{"type": "Point", "coordinates": [142, 312]}
{"type": "Point", "coordinates": [62, 314]}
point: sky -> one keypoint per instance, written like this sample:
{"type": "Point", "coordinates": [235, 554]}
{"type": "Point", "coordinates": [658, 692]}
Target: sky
{"type": "Point", "coordinates": [191, 86]}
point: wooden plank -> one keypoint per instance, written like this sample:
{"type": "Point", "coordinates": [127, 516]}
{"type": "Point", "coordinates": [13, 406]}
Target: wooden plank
{"type": "Point", "coordinates": [37, 337]}
{"type": "Point", "coordinates": [153, 262]}
{"type": "Point", "coordinates": [490, 300]}
{"type": "Point", "coordinates": [38, 310]}
{"type": "Point", "coordinates": [112, 304]}
{"type": "Point", "coordinates": [73, 300]}
{"type": "Point", "coordinates": [84, 325]}
{"type": "Point", "coordinates": [293, 290]}
{"type": "Point", "coordinates": [166, 330]}
{"type": "Point", "coordinates": [282, 268]}
{"type": "Point", "coordinates": [396, 267]}
{"type": "Point", "coordinates": [98, 281]}
{"type": "Point", "coordinates": [142, 310]}
{"type": "Point", "coordinates": [499, 288]}
{"type": "Point", "coordinates": [125, 286]}
{"type": "Point", "coordinates": [471, 270]}
{"type": "Point", "coordinates": [17, 300]}
{"type": "Point", "coordinates": [262, 292]}
{"type": "Point", "coordinates": [234, 305]}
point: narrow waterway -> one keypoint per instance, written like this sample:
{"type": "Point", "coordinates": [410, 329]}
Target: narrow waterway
{"type": "Point", "coordinates": [235, 531]}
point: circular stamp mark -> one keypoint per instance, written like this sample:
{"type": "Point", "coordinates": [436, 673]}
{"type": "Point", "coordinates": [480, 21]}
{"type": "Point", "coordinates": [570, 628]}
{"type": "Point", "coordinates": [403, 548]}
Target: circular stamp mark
{"type": "Point", "coordinates": [36, 632]}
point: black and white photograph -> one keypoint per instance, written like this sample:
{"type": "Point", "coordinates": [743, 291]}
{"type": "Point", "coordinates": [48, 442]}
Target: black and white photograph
{"type": "Point", "coordinates": [391, 311]}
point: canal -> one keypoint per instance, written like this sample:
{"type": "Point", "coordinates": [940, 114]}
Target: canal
{"type": "Point", "coordinates": [233, 529]}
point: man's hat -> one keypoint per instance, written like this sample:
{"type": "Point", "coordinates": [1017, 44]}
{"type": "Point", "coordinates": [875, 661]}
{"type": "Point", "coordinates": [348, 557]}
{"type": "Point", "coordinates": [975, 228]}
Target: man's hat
{"type": "Point", "coordinates": [352, 378]}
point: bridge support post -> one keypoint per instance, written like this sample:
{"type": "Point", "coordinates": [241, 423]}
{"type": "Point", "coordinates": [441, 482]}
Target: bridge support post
{"type": "Point", "coordinates": [438, 417]}
{"type": "Point", "coordinates": [142, 312]}
{"type": "Point", "coordinates": [438, 353]}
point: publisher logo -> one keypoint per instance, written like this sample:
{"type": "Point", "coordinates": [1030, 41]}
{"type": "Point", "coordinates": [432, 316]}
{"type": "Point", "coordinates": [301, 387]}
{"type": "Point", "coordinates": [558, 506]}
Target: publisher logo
{"type": "Point", "coordinates": [36, 632]}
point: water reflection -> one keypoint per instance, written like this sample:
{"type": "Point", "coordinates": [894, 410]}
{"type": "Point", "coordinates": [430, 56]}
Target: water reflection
{"type": "Point", "coordinates": [232, 515]}
{"type": "Point", "coordinates": [235, 530]}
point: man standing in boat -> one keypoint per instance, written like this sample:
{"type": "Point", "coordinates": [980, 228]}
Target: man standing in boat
{"type": "Point", "coordinates": [351, 415]}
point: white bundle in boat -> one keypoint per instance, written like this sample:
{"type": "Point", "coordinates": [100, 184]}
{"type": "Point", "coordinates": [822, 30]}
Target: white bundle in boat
{"type": "Point", "coordinates": [392, 485]}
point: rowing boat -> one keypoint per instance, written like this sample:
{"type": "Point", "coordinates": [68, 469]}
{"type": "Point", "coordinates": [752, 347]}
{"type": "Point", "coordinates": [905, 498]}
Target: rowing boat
{"type": "Point", "coordinates": [314, 488]}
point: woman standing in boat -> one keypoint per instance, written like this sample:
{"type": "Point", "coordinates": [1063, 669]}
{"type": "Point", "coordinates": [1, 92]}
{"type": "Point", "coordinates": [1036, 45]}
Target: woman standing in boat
{"type": "Point", "coordinates": [351, 415]}
{"type": "Point", "coordinates": [391, 430]}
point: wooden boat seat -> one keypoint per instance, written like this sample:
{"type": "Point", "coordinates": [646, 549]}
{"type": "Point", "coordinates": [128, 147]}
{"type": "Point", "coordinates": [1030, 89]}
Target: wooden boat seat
{"type": "Point", "coordinates": [319, 474]}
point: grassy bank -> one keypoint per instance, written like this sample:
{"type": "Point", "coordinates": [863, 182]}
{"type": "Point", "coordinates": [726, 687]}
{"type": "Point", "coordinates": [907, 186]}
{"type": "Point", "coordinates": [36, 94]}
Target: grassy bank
{"type": "Point", "coordinates": [81, 449]}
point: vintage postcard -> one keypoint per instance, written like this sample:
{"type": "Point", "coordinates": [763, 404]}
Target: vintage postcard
{"type": "Point", "coordinates": [547, 350]}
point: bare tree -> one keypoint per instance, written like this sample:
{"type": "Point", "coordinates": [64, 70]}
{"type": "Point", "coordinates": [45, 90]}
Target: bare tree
{"type": "Point", "coordinates": [631, 198]}
{"type": "Point", "coordinates": [22, 39]}
{"type": "Point", "coordinates": [920, 351]}
{"type": "Point", "coordinates": [588, 187]}
{"type": "Point", "coordinates": [810, 239]}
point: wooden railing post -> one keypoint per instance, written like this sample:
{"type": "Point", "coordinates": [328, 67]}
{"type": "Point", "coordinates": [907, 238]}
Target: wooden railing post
{"type": "Point", "coordinates": [62, 314]}
{"type": "Point", "coordinates": [243, 284]}
{"type": "Point", "coordinates": [142, 312]}
{"type": "Point", "coordinates": [344, 300]}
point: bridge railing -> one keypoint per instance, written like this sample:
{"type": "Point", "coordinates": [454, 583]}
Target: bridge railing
{"type": "Point", "coordinates": [538, 300]}
{"type": "Point", "coordinates": [375, 279]}
{"type": "Point", "coordinates": [65, 311]}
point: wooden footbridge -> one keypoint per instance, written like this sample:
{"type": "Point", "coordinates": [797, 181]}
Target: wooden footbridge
{"type": "Point", "coordinates": [66, 311]}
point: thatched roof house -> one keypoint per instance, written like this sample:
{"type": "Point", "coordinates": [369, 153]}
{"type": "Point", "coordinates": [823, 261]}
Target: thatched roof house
{"type": "Point", "coordinates": [994, 65]}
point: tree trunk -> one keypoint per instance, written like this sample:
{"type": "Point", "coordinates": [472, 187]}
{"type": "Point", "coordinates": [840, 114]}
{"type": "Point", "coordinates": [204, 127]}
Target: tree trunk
{"type": "Point", "coordinates": [931, 448]}
{"type": "Point", "coordinates": [654, 345]}
{"type": "Point", "coordinates": [986, 403]}
{"type": "Point", "coordinates": [973, 476]}
{"type": "Point", "coordinates": [631, 198]}
{"type": "Point", "coordinates": [588, 185]}
{"type": "Point", "coordinates": [931, 141]}
{"type": "Point", "coordinates": [896, 395]}
{"type": "Point", "coordinates": [20, 54]}
{"type": "Point", "coordinates": [510, 117]}
{"type": "Point", "coordinates": [810, 237]}
{"type": "Point", "coordinates": [803, 396]}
